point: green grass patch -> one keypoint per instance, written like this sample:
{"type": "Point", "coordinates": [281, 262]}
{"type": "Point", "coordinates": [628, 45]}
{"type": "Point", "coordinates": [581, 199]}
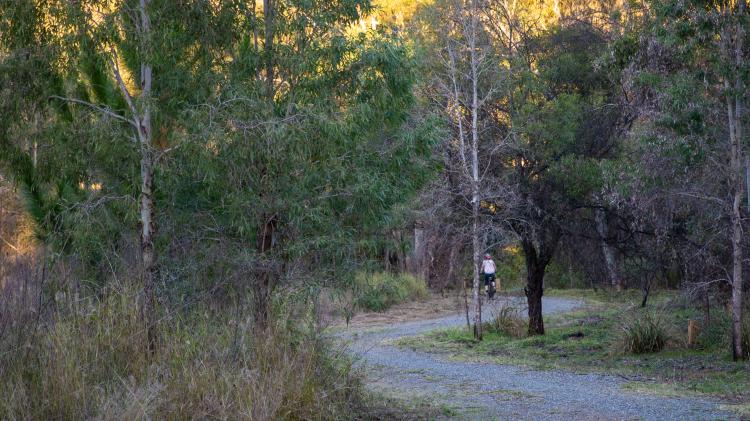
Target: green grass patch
{"type": "Point", "coordinates": [405, 405]}
{"type": "Point", "coordinates": [743, 409]}
{"type": "Point", "coordinates": [593, 339]}
{"type": "Point", "coordinates": [380, 291]}
{"type": "Point", "coordinates": [667, 390]}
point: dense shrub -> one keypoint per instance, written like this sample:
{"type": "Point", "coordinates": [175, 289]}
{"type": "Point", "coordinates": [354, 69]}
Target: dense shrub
{"type": "Point", "coordinates": [380, 291]}
{"type": "Point", "coordinates": [508, 322]}
{"type": "Point", "coordinates": [560, 275]}
{"type": "Point", "coordinates": [643, 333]}
{"type": "Point", "coordinates": [90, 363]}
{"type": "Point", "coordinates": [717, 335]}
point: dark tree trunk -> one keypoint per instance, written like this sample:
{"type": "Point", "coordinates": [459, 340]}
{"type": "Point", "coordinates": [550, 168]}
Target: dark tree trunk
{"type": "Point", "coordinates": [537, 258]}
{"type": "Point", "coordinates": [534, 291]}
{"type": "Point", "coordinates": [645, 289]}
{"type": "Point", "coordinates": [262, 298]}
{"type": "Point", "coordinates": [264, 282]}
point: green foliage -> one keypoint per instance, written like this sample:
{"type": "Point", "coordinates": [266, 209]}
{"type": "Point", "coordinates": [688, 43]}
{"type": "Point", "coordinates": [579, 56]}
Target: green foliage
{"type": "Point", "coordinates": [328, 154]}
{"type": "Point", "coordinates": [559, 275]}
{"type": "Point", "coordinates": [644, 332]}
{"type": "Point", "coordinates": [330, 165]}
{"type": "Point", "coordinates": [380, 291]}
{"type": "Point", "coordinates": [511, 269]}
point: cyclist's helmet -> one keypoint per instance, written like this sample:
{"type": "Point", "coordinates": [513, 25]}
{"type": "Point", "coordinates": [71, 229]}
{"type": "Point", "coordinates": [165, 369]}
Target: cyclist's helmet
{"type": "Point", "coordinates": [487, 256]}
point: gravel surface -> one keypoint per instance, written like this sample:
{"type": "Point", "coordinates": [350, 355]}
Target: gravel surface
{"type": "Point", "coordinates": [491, 391]}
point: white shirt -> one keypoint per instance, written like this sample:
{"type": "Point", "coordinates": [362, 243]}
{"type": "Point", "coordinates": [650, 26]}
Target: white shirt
{"type": "Point", "coordinates": [488, 266]}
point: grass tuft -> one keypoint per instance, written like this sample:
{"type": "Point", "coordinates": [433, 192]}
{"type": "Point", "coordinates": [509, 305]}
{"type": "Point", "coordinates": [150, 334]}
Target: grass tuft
{"type": "Point", "coordinates": [507, 321]}
{"type": "Point", "coordinates": [644, 333]}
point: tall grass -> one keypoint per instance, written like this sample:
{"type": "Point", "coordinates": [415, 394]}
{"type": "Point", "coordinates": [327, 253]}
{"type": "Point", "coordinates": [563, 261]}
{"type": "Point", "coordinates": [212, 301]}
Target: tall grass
{"type": "Point", "coordinates": [507, 321]}
{"type": "Point", "coordinates": [380, 291]}
{"type": "Point", "coordinates": [89, 362]}
{"type": "Point", "coordinates": [643, 332]}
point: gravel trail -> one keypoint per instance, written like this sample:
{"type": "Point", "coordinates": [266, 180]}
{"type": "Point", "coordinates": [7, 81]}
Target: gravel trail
{"type": "Point", "coordinates": [486, 391]}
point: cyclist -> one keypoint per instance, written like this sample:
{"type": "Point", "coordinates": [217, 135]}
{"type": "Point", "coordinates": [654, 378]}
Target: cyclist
{"type": "Point", "coordinates": [488, 269]}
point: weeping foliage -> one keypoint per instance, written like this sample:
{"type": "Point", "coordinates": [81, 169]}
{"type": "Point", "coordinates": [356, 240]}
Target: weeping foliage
{"type": "Point", "coordinates": [327, 154]}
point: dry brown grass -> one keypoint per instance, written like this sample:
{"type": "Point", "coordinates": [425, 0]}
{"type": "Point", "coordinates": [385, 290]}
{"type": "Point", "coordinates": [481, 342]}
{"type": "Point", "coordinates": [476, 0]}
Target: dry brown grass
{"type": "Point", "coordinates": [90, 362]}
{"type": "Point", "coordinates": [432, 307]}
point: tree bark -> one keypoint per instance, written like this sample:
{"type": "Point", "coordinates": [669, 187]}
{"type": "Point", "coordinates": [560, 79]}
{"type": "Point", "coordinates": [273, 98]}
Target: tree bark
{"type": "Point", "coordinates": [537, 256]}
{"type": "Point", "coordinates": [419, 254]}
{"type": "Point", "coordinates": [268, 18]}
{"type": "Point", "coordinates": [734, 111]}
{"type": "Point", "coordinates": [736, 221]}
{"type": "Point", "coordinates": [645, 291]}
{"type": "Point", "coordinates": [534, 290]}
{"type": "Point", "coordinates": [610, 258]}
{"type": "Point", "coordinates": [148, 230]}
{"type": "Point", "coordinates": [468, 23]}
{"type": "Point", "coordinates": [476, 256]}
{"type": "Point", "coordinates": [475, 168]}
{"type": "Point", "coordinates": [264, 282]}
{"type": "Point", "coordinates": [141, 111]}
{"type": "Point", "coordinates": [736, 272]}
{"type": "Point", "coordinates": [747, 179]}
{"type": "Point", "coordinates": [147, 211]}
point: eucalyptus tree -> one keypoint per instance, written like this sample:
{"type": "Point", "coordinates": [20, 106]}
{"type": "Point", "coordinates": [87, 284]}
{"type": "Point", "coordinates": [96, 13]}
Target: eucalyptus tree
{"type": "Point", "coordinates": [465, 76]}
{"type": "Point", "coordinates": [693, 68]}
{"type": "Point", "coordinates": [121, 71]}
{"type": "Point", "coordinates": [466, 44]}
{"type": "Point", "coordinates": [299, 180]}
{"type": "Point", "coordinates": [277, 128]}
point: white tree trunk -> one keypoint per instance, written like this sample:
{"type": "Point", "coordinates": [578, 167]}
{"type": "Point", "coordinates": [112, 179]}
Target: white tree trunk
{"type": "Point", "coordinates": [468, 21]}
{"type": "Point", "coordinates": [735, 130]}
{"type": "Point", "coordinates": [141, 112]}
{"type": "Point", "coordinates": [475, 168]}
{"type": "Point", "coordinates": [148, 223]}
{"type": "Point", "coordinates": [476, 256]}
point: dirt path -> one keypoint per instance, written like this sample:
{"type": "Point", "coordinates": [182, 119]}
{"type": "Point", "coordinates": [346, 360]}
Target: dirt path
{"type": "Point", "coordinates": [491, 391]}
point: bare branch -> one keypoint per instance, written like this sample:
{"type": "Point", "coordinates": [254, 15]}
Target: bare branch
{"type": "Point", "coordinates": [124, 89]}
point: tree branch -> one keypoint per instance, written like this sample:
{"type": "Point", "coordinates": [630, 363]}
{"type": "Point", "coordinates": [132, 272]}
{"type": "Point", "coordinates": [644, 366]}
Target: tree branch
{"type": "Point", "coordinates": [103, 110]}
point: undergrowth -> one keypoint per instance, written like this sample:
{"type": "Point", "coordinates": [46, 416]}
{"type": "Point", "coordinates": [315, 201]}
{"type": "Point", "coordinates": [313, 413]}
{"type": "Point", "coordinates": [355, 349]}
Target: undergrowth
{"type": "Point", "coordinates": [379, 291]}
{"type": "Point", "coordinates": [89, 361]}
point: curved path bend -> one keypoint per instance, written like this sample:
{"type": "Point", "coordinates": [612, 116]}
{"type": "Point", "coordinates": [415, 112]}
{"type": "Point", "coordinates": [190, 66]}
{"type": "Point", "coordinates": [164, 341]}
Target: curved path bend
{"type": "Point", "coordinates": [487, 391]}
